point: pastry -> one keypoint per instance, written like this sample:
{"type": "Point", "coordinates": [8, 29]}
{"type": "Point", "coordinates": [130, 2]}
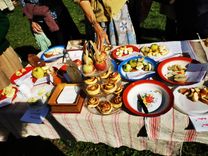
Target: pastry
{"type": "Point", "coordinates": [119, 90]}
{"type": "Point", "coordinates": [93, 89]}
{"type": "Point", "coordinates": [181, 78]}
{"type": "Point", "coordinates": [114, 77]}
{"type": "Point", "coordinates": [116, 101]}
{"type": "Point", "coordinates": [93, 102]}
{"type": "Point", "coordinates": [91, 80]}
{"type": "Point", "coordinates": [106, 74]}
{"type": "Point", "coordinates": [109, 87]}
{"type": "Point", "coordinates": [105, 107]}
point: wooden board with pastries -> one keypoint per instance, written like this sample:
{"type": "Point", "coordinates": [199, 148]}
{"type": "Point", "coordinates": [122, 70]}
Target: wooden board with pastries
{"type": "Point", "coordinates": [65, 107]}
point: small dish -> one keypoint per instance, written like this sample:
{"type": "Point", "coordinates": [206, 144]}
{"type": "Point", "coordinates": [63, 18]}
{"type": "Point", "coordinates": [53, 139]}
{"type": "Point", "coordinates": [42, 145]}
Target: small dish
{"type": "Point", "coordinates": [138, 74]}
{"type": "Point", "coordinates": [163, 69]}
{"type": "Point", "coordinates": [186, 105]}
{"type": "Point", "coordinates": [124, 52]}
{"type": "Point", "coordinates": [52, 54]}
{"type": "Point", "coordinates": [21, 75]}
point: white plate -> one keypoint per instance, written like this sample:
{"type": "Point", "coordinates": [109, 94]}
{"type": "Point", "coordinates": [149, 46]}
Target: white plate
{"type": "Point", "coordinates": [162, 94]}
{"type": "Point", "coordinates": [186, 106]}
{"type": "Point", "coordinates": [58, 50]}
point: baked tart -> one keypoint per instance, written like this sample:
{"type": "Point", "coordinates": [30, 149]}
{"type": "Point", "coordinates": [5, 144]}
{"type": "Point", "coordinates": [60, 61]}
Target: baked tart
{"type": "Point", "coordinates": [116, 101]}
{"type": "Point", "coordinates": [105, 107]}
{"type": "Point", "coordinates": [93, 102]}
{"type": "Point", "coordinates": [106, 74]}
{"type": "Point", "coordinates": [114, 77]}
{"type": "Point", "coordinates": [109, 87]}
{"type": "Point", "coordinates": [93, 89]}
{"type": "Point", "coordinates": [91, 80]}
{"type": "Point", "coordinates": [118, 90]}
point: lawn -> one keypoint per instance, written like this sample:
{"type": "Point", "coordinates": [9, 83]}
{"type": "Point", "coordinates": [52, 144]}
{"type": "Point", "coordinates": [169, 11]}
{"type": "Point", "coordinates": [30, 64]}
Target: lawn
{"type": "Point", "coordinates": [20, 36]}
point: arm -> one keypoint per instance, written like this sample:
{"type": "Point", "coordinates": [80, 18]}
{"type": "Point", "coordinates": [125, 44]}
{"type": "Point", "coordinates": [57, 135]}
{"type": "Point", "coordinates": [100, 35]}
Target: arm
{"type": "Point", "coordinates": [101, 34]}
{"type": "Point", "coordinates": [4, 26]}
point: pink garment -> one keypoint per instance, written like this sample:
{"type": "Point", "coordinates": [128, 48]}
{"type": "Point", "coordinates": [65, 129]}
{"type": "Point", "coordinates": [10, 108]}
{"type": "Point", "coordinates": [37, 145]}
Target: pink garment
{"type": "Point", "coordinates": [31, 10]}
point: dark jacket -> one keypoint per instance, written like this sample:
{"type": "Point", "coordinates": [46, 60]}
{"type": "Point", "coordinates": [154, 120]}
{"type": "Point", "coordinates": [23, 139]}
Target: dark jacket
{"type": "Point", "coordinates": [4, 27]}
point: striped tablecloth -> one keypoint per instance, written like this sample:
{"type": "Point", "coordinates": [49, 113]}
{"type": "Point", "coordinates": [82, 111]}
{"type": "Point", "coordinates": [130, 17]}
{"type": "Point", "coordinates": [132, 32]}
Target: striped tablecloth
{"type": "Point", "coordinates": [164, 134]}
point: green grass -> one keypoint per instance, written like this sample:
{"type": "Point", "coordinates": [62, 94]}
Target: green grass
{"type": "Point", "coordinates": [20, 35]}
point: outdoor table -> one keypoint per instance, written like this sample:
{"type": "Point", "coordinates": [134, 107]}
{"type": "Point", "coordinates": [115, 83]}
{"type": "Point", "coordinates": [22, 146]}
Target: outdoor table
{"type": "Point", "coordinates": [164, 134]}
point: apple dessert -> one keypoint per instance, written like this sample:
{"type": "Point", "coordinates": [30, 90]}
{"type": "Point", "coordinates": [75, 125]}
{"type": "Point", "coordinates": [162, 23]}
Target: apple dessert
{"type": "Point", "coordinates": [105, 107]}
{"type": "Point", "coordinates": [93, 102]}
{"type": "Point", "coordinates": [124, 50]}
{"type": "Point", "coordinates": [114, 77]}
{"type": "Point", "coordinates": [136, 65]}
{"type": "Point", "coordinates": [116, 101]}
{"type": "Point", "coordinates": [177, 73]}
{"type": "Point", "coordinates": [93, 89]}
{"type": "Point", "coordinates": [109, 87]}
{"type": "Point", "coordinates": [155, 50]}
{"type": "Point", "coordinates": [195, 94]}
{"type": "Point", "coordinates": [8, 91]}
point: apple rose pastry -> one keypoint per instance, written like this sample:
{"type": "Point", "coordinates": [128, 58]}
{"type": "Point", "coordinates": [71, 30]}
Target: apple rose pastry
{"type": "Point", "coordinates": [119, 90]}
{"type": "Point", "coordinates": [106, 74]}
{"type": "Point", "coordinates": [93, 102]}
{"type": "Point", "coordinates": [116, 101]}
{"type": "Point", "coordinates": [109, 87]}
{"type": "Point", "coordinates": [105, 107]}
{"type": "Point", "coordinates": [91, 80]}
{"type": "Point", "coordinates": [114, 77]}
{"type": "Point", "coordinates": [93, 89]}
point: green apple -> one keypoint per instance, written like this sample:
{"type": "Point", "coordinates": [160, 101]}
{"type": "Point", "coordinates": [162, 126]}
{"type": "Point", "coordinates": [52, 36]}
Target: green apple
{"type": "Point", "coordinates": [87, 68]}
{"type": "Point", "coordinates": [154, 47]}
{"type": "Point", "coordinates": [133, 63]}
{"type": "Point", "coordinates": [38, 72]}
{"type": "Point", "coordinates": [127, 67]}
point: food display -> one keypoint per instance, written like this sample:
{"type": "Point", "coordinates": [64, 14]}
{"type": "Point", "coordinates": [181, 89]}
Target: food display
{"type": "Point", "coordinates": [94, 61]}
{"type": "Point", "coordinates": [52, 53]}
{"type": "Point", "coordinates": [176, 73]}
{"type": "Point", "coordinates": [104, 105]}
{"type": "Point", "coordinates": [155, 50]}
{"type": "Point", "coordinates": [103, 85]}
{"type": "Point", "coordinates": [195, 94]}
{"type": "Point", "coordinates": [8, 92]}
{"type": "Point", "coordinates": [137, 64]}
{"type": "Point", "coordinates": [125, 52]}
{"type": "Point", "coordinates": [40, 72]}
{"type": "Point", "coordinates": [137, 68]}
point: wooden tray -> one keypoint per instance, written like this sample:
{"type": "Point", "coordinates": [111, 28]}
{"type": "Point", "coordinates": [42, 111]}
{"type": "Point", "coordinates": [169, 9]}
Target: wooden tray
{"type": "Point", "coordinates": [75, 107]}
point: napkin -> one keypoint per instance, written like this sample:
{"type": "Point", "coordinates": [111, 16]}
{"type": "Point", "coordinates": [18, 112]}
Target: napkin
{"type": "Point", "coordinates": [68, 95]}
{"type": "Point", "coordinates": [196, 72]}
{"type": "Point", "coordinates": [35, 115]}
{"type": "Point", "coordinates": [200, 122]}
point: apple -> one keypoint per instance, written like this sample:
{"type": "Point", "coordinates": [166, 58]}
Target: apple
{"type": "Point", "coordinates": [127, 67]}
{"type": "Point", "coordinates": [38, 72]}
{"type": "Point", "coordinates": [78, 62]}
{"type": "Point", "coordinates": [87, 68]}
{"type": "Point", "coordinates": [100, 65]}
{"type": "Point", "coordinates": [133, 63]}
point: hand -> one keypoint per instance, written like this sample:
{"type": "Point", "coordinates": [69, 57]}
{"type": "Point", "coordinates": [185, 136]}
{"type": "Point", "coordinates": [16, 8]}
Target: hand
{"type": "Point", "coordinates": [101, 37]}
{"type": "Point", "coordinates": [36, 27]}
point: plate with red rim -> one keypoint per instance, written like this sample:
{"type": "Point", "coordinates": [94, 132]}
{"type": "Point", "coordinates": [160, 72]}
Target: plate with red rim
{"type": "Point", "coordinates": [135, 52]}
{"type": "Point", "coordinates": [23, 73]}
{"type": "Point", "coordinates": [3, 97]}
{"type": "Point", "coordinates": [162, 69]}
{"type": "Point", "coordinates": [163, 97]}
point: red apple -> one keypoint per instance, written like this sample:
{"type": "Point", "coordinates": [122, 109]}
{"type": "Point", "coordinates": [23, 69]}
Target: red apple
{"type": "Point", "coordinates": [78, 62]}
{"type": "Point", "coordinates": [100, 65]}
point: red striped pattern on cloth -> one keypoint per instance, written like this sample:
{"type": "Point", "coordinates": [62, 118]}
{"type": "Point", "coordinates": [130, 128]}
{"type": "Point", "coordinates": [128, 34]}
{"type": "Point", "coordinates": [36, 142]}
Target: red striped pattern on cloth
{"type": "Point", "coordinates": [106, 136]}
{"type": "Point", "coordinates": [190, 135]}
{"type": "Point", "coordinates": [115, 130]}
{"type": "Point", "coordinates": [79, 126]}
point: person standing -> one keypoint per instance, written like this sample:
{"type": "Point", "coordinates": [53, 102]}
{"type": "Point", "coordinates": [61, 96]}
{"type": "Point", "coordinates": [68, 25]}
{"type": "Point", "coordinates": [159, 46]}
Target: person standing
{"type": "Point", "coordinates": [108, 22]}
{"type": "Point", "coordinates": [52, 18]}
{"type": "Point", "coordinates": [9, 60]}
